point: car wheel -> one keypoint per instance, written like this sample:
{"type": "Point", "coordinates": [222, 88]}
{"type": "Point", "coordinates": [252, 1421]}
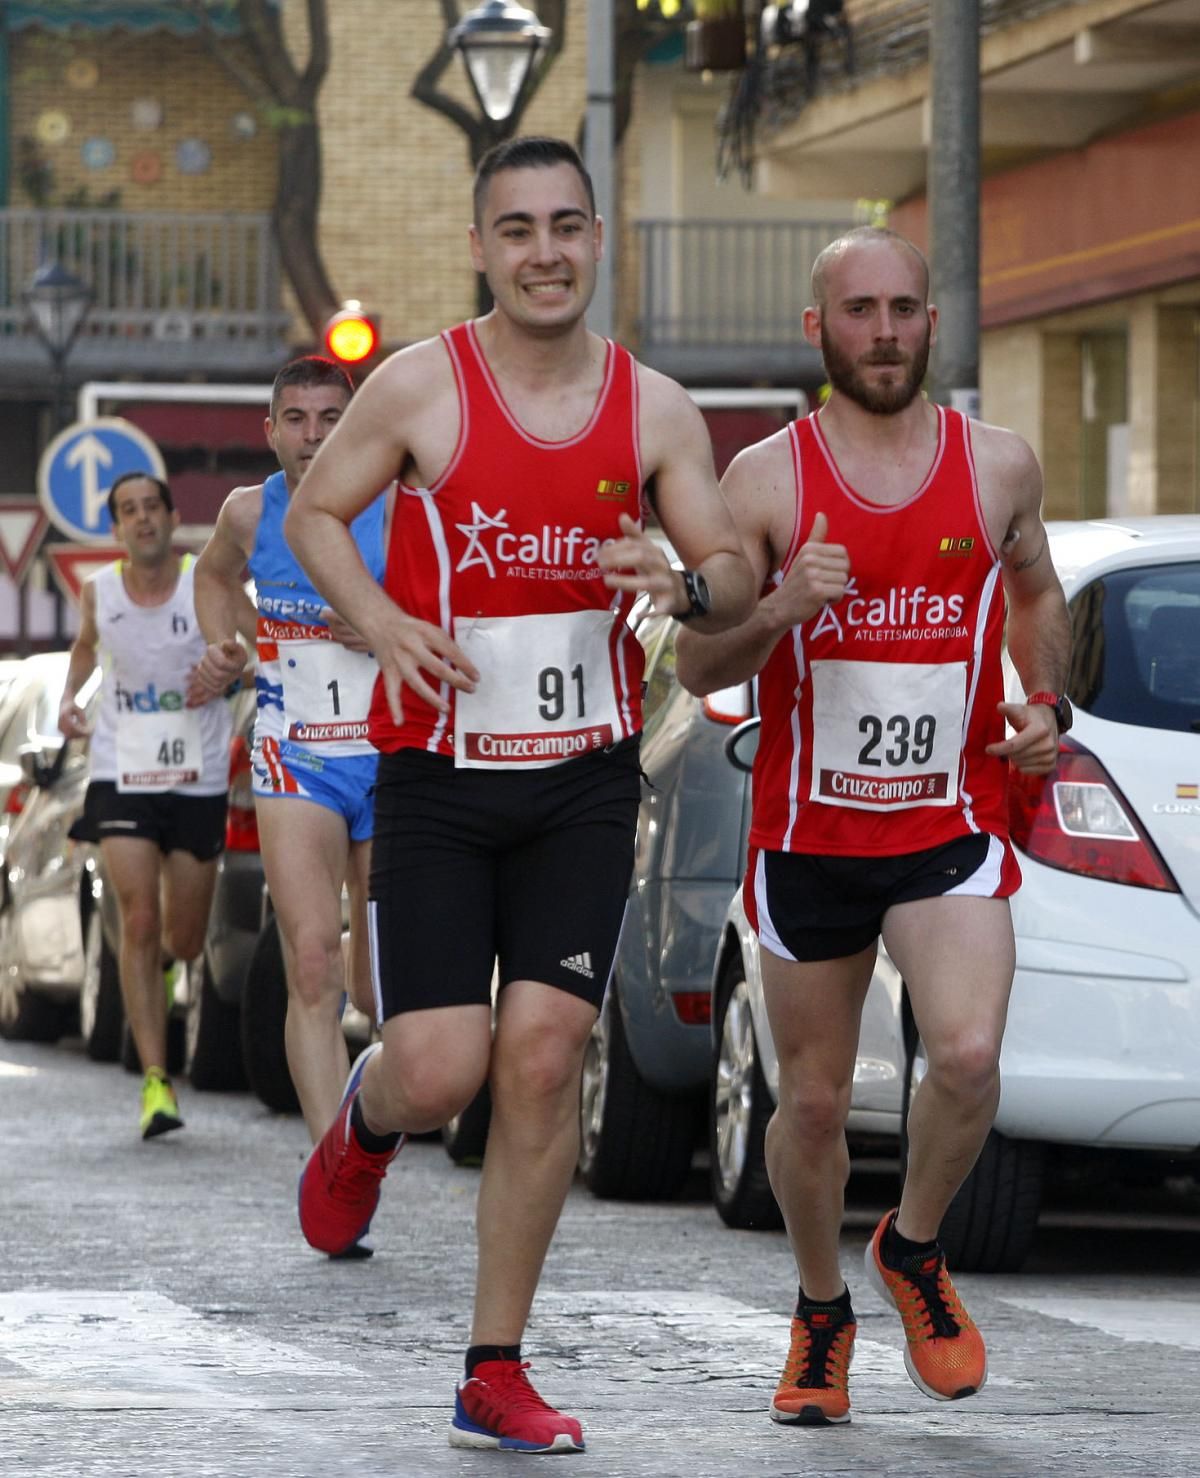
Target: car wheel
{"type": "Point", "coordinates": [741, 1109]}
{"type": "Point", "coordinates": [24, 1015]}
{"type": "Point", "coordinates": [264, 1013]}
{"type": "Point", "coordinates": [212, 1034]}
{"type": "Point", "coordinates": [465, 1136]}
{"type": "Point", "coordinates": [990, 1225]}
{"type": "Point", "coordinates": [101, 1011]}
{"type": "Point", "coordinates": [635, 1144]}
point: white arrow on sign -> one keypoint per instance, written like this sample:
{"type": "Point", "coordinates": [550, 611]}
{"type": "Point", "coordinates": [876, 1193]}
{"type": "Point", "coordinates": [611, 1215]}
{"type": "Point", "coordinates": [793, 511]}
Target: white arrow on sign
{"type": "Point", "coordinates": [93, 454]}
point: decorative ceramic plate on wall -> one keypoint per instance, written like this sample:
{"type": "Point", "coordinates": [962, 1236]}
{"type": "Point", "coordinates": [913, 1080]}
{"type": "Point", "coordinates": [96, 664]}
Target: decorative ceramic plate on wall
{"type": "Point", "coordinates": [192, 156]}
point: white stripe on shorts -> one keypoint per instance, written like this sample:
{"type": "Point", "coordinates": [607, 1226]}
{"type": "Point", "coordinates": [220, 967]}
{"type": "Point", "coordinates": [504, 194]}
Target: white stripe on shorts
{"type": "Point", "coordinates": [768, 938]}
{"type": "Point", "coordinates": [985, 880]}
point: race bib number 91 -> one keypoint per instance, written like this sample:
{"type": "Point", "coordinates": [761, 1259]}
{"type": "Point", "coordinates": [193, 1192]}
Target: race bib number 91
{"type": "Point", "coordinates": [887, 735]}
{"type": "Point", "coordinates": [545, 691]}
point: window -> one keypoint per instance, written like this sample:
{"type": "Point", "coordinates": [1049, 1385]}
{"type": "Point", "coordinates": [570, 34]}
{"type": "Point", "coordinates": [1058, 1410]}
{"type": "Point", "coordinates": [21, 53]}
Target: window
{"type": "Point", "coordinates": [1105, 425]}
{"type": "Point", "coordinates": [1136, 657]}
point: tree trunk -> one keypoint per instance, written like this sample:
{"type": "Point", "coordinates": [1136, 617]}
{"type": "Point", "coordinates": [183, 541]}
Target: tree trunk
{"type": "Point", "coordinates": [296, 221]}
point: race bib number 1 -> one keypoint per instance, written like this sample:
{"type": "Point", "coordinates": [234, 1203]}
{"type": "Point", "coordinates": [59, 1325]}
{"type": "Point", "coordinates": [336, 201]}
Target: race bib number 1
{"type": "Point", "coordinates": [887, 735]}
{"type": "Point", "coordinates": [327, 692]}
{"type": "Point", "coordinates": [545, 691]}
{"type": "Point", "coordinates": [159, 751]}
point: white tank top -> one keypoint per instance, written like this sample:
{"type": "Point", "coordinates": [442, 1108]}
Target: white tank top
{"type": "Point", "coordinates": [145, 739]}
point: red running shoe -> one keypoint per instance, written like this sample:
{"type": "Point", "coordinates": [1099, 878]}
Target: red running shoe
{"type": "Point", "coordinates": [945, 1355]}
{"type": "Point", "coordinates": [498, 1407]}
{"type": "Point", "coordinates": [339, 1188]}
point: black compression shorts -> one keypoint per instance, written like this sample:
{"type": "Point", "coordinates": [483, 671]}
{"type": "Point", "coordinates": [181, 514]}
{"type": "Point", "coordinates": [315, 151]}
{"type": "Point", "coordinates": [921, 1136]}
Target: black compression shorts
{"type": "Point", "coordinates": [470, 867]}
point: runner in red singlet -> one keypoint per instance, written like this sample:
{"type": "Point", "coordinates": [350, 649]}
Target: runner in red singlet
{"type": "Point", "coordinates": [508, 713]}
{"type": "Point", "coordinates": [885, 533]}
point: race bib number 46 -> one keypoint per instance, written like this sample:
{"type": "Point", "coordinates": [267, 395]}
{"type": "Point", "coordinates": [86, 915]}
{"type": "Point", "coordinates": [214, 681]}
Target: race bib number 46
{"type": "Point", "coordinates": [545, 691]}
{"type": "Point", "coordinates": [158, 751]}
{"type": "Point", "coordinates": [887, 735]}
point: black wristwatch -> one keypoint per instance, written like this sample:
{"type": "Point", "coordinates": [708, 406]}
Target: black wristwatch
{"type": "Point", "coordinates": [1064, 714]}
{"type": "Point", "coordinates": [699, 600]}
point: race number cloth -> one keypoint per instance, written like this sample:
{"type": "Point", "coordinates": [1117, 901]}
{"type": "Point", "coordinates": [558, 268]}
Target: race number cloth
{"type": "Point", "coordinates": [311, 690]}
{"type": "Point", "coordinates": [545, 690]}
{"type": "Point", "coordinates": [512, 531]}
{"type": "Point", "coordinates": [145, 738]}
{"type": "Point", "coordinates": [876, 712]}
{"type": "Point", "coordinates": [326, 688]}
{"type": "Point", "coordinates": [886, 734]}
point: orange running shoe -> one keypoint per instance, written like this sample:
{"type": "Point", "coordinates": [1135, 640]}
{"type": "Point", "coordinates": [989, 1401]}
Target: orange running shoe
{"type": "Point", "coordinates": [945, 1356]}
{"type": "Point", "coordinates": [812, 1390]}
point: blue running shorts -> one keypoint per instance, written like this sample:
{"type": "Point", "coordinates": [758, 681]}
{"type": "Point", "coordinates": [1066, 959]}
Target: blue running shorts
{"type": "Point", "coordinates": [343, 784]}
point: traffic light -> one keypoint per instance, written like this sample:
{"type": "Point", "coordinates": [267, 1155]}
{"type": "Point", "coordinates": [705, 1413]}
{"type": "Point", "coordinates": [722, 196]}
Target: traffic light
{"type": "Point", "coordinates": [351, 335]}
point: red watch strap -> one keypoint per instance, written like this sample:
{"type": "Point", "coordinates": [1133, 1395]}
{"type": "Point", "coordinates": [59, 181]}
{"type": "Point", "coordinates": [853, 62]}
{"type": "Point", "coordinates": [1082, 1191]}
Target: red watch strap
{"type": "Point", "coordinates": [1049, 699]}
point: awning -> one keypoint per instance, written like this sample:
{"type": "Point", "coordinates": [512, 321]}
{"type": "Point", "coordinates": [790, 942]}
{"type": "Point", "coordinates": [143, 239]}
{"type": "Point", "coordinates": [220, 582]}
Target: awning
{"type": "Point", "coordinates": [132, 15]}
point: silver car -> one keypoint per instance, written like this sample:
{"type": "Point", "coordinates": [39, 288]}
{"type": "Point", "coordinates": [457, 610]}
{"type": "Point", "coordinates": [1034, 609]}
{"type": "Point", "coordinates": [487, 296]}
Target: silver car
{"type": "Point", "coordinates": [647, 1062]}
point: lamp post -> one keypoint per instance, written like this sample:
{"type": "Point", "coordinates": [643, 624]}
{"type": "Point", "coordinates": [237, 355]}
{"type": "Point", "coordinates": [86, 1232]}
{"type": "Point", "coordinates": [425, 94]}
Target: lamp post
{"type": "Point", "coordinates": [499, 43]}
{"type": "Point", "coordinates": [58, 302]}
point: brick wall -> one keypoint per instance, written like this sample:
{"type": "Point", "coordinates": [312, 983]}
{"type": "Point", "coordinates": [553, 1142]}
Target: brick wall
{"type": "Point", "coordinates": [198, 99]}
{"type": "Point", "coordinates": [397, 201]}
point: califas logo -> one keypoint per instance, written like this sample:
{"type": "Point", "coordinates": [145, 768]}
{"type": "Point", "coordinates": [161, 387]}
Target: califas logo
{"type": "Point", "coordinates": [147, 699]}
{"type": "Point", "coordinates": [897, 612]}
{"type": "Point", "coordinates": [569, 553]}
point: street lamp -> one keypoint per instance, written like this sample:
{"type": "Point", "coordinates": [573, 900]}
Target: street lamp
{"type": "Point", "coordinates": [58, 302]}
{"type": "Point", "coordinates": [499, 43]}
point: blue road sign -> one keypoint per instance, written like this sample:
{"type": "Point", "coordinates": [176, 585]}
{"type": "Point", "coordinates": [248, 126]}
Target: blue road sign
{"type": "Point", "coordinates": [80, 465]}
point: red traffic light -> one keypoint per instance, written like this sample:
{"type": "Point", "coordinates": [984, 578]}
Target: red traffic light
{"type": "Point", "coordinates": [351, 335]}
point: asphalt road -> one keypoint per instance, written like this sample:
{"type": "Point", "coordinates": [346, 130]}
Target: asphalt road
{"type": "Point", "coordinates": [160, 1314]}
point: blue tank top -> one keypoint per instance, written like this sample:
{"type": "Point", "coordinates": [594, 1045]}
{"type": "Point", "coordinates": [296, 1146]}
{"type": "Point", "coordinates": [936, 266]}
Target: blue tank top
{"type": "Point", "coordinates": [311, 690]}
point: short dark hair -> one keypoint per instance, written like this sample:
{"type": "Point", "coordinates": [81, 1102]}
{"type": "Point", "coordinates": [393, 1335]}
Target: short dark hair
{"type": "Point", "coordinates": [309, 370]}
{"type": "Point", "coordinates": [531, 151]}
{"type": "Point", "coordinates": [164, 491]}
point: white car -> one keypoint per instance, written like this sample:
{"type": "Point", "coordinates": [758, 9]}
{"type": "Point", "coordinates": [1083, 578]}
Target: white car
{"type": "Point", "coordinates": [1102, 1050]}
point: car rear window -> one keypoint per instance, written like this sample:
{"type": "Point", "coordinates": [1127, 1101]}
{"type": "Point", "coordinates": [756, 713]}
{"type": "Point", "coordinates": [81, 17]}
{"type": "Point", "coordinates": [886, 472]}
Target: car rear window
{"type": "Point", "coordinates": [1136, 655]}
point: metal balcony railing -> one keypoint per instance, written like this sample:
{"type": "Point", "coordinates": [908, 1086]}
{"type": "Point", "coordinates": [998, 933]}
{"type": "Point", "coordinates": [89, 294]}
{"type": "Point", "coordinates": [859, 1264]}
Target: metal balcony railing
{"type": "Point", "coordinates": [159, 280]}
{"type": "Point", "coordinates": [722, 300]}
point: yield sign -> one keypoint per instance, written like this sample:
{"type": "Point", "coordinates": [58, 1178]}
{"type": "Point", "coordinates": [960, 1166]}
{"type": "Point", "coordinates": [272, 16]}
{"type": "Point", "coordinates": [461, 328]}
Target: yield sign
{"type": "Point", "coordinates": [71, 564]}
{"type": "Point", "coordinates": [22, 524]}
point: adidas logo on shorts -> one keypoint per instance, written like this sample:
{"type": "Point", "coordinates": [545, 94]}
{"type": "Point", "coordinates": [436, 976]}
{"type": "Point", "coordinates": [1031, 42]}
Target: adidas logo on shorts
{"type": "Point", "coordinates": [581, 964]}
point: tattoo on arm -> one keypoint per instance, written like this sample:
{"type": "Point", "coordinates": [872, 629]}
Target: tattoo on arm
{"type": "Point", "coordinates": [1024, 564]}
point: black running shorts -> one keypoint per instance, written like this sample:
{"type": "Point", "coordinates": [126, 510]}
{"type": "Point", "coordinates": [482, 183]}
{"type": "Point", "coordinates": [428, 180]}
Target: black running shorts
{"type": "Point", "coordinates": [470, 867]}
{"type": "Point", "coordinates": [175, 823]}
{"type": "Point", "coordinates": [806, 907]}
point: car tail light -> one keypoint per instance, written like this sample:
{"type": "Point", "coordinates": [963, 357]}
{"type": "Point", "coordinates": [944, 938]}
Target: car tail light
{"type": "Point", "coordinates": [729, 705]}
{"type": "Point", "coordinates": [15, 801]}
{"type": "Point", "coordinates": [693, 1007]}
{"type": "Point", "coordinates": [1076, 819]}
{"type": "Point", "coordinates": [241, 821]}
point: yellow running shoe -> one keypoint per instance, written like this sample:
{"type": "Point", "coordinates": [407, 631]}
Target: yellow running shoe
{"type": "Point", "coordinates": [946, 1357]}
{"type": "Point", "coordinates": [160, 1108]}
{"type": "Point", "coordinates": [814, 1387]}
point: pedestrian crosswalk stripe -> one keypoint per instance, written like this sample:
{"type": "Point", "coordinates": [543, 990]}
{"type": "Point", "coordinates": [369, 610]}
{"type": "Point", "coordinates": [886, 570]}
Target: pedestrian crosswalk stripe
{"type": "Point", "coordinates": [1151, 1321]}
{"type": "Point", "coordinates": [89, 1342]}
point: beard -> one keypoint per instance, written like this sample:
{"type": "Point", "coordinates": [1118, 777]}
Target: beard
{"type": "Point", "coordinates": [880, 400]}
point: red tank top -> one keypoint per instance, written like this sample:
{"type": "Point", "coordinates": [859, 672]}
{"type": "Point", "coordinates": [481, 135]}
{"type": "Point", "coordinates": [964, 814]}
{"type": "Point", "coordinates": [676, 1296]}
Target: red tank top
{"type": "Point", "coordinates": [501, 553]}
{"type": "Point", "coordinates": [875, 712]}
